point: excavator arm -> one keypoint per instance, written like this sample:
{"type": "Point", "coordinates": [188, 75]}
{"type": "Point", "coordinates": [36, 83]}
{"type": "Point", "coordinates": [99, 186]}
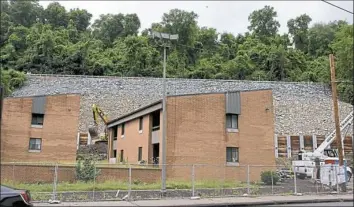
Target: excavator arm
{"type": "Point", "coordinates": [97, 113]}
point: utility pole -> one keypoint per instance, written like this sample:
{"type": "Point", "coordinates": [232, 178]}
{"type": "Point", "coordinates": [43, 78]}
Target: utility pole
{"type": "Point", "coordinates": [336, 116]}
{"type": "Point", "coordinates": [2, 91]}
{"type": "Point", "coordinates": [164, 37]}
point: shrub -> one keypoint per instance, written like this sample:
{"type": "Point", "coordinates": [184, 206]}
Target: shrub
{"type": "Point", "coordinates": [266, 177]}
{"type": "Point", "coordinates": [86, 169]}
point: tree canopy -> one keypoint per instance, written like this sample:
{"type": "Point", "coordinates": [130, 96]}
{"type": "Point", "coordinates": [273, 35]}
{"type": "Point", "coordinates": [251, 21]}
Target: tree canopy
{"type": "Point", "coordinates": [56, 41]}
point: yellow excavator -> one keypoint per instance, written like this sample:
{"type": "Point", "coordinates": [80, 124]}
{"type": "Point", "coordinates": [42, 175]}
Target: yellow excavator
{"type": "Point", "coordinates": [97, 112]}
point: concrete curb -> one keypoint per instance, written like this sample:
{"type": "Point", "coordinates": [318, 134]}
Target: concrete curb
{"type": "Point", "coordinates": [242, 201]}
{"type": "Point", "coordinates": [261, 203]}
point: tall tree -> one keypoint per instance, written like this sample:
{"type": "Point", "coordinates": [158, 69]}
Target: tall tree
{"type": "Point", "coordinates": [343, 50]}
{"type": "Point", "coordinates": [25, 13]}
{"type": "Point", "coordinates": [111, 26]}
{"type": "Point", "coordinates": [108, 27]}
{"type": "Point", "coordinates": [5, 24]}
{"type": "Point", "coordinates": [181, 22]}
{"type": "Point", "coordinates": [131, 24]}
{"type": "Point", "coordinates": [81, 18]}
{"type": "Point", "coordinates": [56, 15]}
{"type": "Point", "coordinates": [263, 23]}
{"type": "Point", "coordinates": [320, 37]}
{"type": "Point", "coordinates": [298, 28]}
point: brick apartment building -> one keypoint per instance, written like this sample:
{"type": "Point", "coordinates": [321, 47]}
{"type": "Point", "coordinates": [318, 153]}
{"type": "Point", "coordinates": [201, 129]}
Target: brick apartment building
{"type": "Point", "coordinates": [40, 128]}
{"type": "Point", "coordinates": [302, 111]}
{"type": "Point", "coordinates": [231, 128]}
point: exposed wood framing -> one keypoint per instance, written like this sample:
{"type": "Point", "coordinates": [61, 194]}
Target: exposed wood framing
{"type": "Point", "coordinates": [302, 145]}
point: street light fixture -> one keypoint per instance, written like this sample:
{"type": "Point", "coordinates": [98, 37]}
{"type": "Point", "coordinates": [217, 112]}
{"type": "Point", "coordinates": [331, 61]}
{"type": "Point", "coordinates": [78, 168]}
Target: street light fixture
{"type": "Point", "coordinates": [164, 36]}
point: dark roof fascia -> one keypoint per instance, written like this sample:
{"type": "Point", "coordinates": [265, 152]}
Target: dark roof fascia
{"type": "Point", "coordinates": [62, 94]}
{"type": "Point", "coordinates": [135, 111]}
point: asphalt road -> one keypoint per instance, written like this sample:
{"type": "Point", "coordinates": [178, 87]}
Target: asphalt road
{"type": "Point", "coordinates": [319, 204]}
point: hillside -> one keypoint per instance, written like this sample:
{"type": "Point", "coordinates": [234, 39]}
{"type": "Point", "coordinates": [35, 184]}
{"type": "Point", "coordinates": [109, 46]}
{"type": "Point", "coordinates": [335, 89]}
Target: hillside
{"type": "Point", "coordinates": [299, 107]}
{"type": "Point", "coordinates": [53, 40]}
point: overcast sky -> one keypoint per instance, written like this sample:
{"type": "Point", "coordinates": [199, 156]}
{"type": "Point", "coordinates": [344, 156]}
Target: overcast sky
{"type": "Point", "coordinates": [230, 16]}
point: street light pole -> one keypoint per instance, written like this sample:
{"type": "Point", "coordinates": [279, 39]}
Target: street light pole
{"type": "Point", "coordinates": [164, 36]}
{"type": "Point", "coordinates": [164, 121]}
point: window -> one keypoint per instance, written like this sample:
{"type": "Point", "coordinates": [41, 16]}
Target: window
{"type": "Point", "coordinates": [140, 154]}
{"type": "Point", "coordinates": [121, 155]}
{"type": "Point", "coordinates": [35, 144]}
{"type": "Point", "coordinates": [155, 120]}
{"type": "Point", "coordinates": [232, 121]}
{"type": "Point", "coordinates": [115, 133]}
{"type": "Point", "coordinates": [37, 119]}
{"type": "Point", "coordinates": [140, 123]}
{"type": "Point", "coordinates": [123, 126]}
{"type": "Point", "coordinates": [231, 154]}
{"type": "Point", "coordinates": [114, 153]}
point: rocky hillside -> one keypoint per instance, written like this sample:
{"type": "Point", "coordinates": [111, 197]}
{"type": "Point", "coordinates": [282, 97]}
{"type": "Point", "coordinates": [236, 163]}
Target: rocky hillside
{"type": "Point", "coordinates": [299, 107]}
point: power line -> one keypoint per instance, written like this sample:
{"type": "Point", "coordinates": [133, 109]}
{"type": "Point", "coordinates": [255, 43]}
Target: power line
{"type": "Point", "coordinates": [337, 6]}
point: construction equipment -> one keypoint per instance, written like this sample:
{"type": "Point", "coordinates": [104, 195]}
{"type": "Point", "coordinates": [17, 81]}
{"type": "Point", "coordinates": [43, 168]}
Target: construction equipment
{"type": "Point", "coordinates": [323, 157]}
{"type": "Point", "coordinates": [97, 112]}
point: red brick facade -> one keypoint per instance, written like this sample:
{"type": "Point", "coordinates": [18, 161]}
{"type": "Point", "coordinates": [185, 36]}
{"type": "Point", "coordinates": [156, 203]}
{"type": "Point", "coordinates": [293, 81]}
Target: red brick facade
{"type": "Point", "coordinates": [196, 134]}
{"type": "Point", "coordinates": [58, 132]}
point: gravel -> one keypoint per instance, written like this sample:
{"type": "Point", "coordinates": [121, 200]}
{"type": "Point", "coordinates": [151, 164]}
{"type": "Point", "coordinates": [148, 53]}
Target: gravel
{"type": "Point", "coordinates": [299, 107]}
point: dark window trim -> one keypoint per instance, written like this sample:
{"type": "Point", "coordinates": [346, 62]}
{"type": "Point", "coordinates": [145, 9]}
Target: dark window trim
{"type": "Point", "coordinates": [34, 119]}
{"type": "Point", "coordinates": [233, 150]}
{"type": "Point", "coordinates": [156, 122]}
{"type": "Point", "coordinates": [123, 129]}
{"type": "Point", "coordinates": [141, 122]}
{"type": "Point", "coordinates": [121, 155]}
{"type": "Point", "coordinates": [232, 118]}
{"type": "Point", "coordinates": [115, 132]}
{"type": "Point", "coordinates": [140, 153]}
{"type": "Point", "coordinates": [40, 145]}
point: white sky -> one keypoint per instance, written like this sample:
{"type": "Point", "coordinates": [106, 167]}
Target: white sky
{"type": "Point", "coordinates": [230, 16]}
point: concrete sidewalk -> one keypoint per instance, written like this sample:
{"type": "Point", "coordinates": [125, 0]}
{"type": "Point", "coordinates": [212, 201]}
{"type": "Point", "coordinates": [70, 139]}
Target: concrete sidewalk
{"type": "Point", "coordinates": [231, 201]}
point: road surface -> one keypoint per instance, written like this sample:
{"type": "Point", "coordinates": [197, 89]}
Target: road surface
{"type": "Point", "coordinates": [339, 204]}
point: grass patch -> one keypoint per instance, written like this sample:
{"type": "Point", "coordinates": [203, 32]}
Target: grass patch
{"type": "Point", "coordinates": [118, 185]}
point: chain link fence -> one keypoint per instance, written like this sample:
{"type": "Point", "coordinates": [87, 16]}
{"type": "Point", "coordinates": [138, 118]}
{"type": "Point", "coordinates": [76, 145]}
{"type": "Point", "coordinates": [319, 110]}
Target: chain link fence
{"type": "Point", "coordinates": [67, 182]}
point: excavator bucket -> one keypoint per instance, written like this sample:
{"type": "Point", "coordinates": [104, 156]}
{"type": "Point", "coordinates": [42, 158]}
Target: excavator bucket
{"type": "Point", "coordinates": [93, 132]}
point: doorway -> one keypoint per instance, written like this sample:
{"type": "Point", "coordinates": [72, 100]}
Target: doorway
{"type": "Point", "coordinates": [155, 153]}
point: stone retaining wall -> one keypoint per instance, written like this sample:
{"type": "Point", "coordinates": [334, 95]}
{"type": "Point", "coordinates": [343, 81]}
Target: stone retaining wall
{"type": "Point", "coordinates": [299, 107]}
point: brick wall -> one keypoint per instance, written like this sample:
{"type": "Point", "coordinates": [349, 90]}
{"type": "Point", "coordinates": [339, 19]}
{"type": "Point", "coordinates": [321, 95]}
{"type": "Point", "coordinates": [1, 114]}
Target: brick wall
{"type": "Point", "coordinates": [59, 132]}
{"type": "Point", "coordinates": [30, 173]}
{"type": "Point", "coordinates": [197, 134]}
{"type": "Point", "coordinates": [133, 139]}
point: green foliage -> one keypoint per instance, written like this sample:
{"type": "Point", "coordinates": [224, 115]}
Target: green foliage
{"type": "Point", "coordinates": [85, 169]}
{"type": "Point", "coordinates": [123, 185]}
{"type": "Point", "coordinates": [269, 177]}
{"type": "Point", "coordinates": [54, 40]}
{"type": "Point", "coordinates": [11, 79]}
